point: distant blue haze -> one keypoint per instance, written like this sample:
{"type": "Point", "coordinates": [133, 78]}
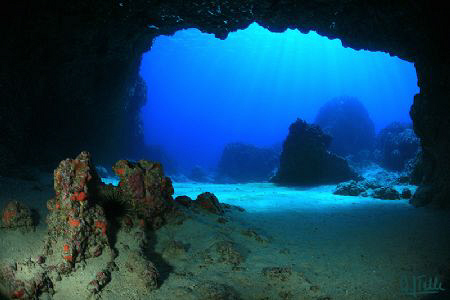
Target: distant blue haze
{"type": "Point", "coordinates": [204, 92]}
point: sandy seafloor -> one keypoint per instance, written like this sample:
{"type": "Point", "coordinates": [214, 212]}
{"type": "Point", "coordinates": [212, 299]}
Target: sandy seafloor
{"type": "Point", "coordinates": [333, 246]}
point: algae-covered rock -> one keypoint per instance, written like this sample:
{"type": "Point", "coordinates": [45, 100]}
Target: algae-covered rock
{"type": "Point", "coordinates": [350, 188]}
{"type": "Point", "coordinates": [386, 193]}
{"type": "Point", "coordinates": [77, 224]}
{"type": "Point", "coordinates": [209, 202]}
{"type": "Point", "coordinates": [17, 215]}
{"type": "Point", "coordinates": [144, 188]}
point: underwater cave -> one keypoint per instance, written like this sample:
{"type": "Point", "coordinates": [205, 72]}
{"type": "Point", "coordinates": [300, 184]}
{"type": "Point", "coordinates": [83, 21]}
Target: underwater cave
{"type": "Point", "coordinates": [224, 150]}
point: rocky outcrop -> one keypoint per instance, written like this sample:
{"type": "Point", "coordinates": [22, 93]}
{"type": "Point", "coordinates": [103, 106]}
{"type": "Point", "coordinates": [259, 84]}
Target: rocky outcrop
{"type": "Point", "coordinates": [368, 188]}
{"type": "Point", "coordinates": [305, 159]}
{"type": "Point", "coordinates": [82, 60]}
{"type": "Point", "coordinates": [209, 202]}
{"type": "Point", "coordinates": [243, 163]}
{"type": "Point", "coordinates": [144, 191]}
{"type": "Point", "coordinates": [397, 145]}
{"type": "Point", "coordinates": [349, 124]}
{"type": "Point", "coordinates": [78, 228]}
{"type": "Point", "coordinates": [17, 215]}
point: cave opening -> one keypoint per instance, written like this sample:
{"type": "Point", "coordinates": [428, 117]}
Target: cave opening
{"type": "Point", "coordinates": [70, 81]}
{"type": "Point", "coordinates": [204, 93]}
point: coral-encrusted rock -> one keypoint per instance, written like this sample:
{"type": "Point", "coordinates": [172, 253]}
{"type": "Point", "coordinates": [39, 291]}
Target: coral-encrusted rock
{"type": "Point", "coordinates": [367, 188]}
{"type": "Point", "coordinates": [17, 215]}
{"type": "Point", "coordinates": [209, 202]}
{"type": "Point", "coordinates": [398, 144]}
{"type": "Point", "coordinates": [24, 280]}
{"type": "Point", "coordinates": [350, 188]}
{"type": "Point", "coordinates": [76, 222]}
{"type": "Point", "coordinates": [348, 122]}
{"type": "Point", "coordinates": [101, 280]}
{"type": "Point", "coordinates": [184, 200]}
{"type": "Point", "coordinates": [144, 271]}
{"type": "Point", "coordinates": [144, 188]}
{"type": "Point", "coordinates": [406, 193]}
{"type": "Point", "coordinates": [386, 193]}
{"type": "Point", "coordinates": [244, 163]}
{"type": "Point", "coordinates": [305, 159]}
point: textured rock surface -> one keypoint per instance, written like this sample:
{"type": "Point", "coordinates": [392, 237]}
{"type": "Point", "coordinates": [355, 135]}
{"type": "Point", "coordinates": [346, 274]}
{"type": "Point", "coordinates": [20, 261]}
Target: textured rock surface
{"type": "Point", "coordinates": [83, 60]}
{"type": "Point", "coordinates": [76, 223]}
{"type": "Point", "coordinates": [17, 215]}
{"type": "Point", "coordinates": [209, 202]}
{"type": "Point", "coordinates": [397, 144]}
{"type": "Point", "coordinates": [144, 190]}
{"type": "Point", "coordinates": [349, 124]}
{"type": "Point", "coordinates": [243, 163]}
{"type": "Point", "coordinates": [375, 187]}
{"type": "Point", "coordinates": [305, 159]}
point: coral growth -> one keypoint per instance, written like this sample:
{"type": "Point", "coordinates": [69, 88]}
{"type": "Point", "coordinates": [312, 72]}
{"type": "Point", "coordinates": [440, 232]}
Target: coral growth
{"type": "Point", "coordinates": [74, 216]}
{"type": "Point", "coordinates": [17, 215]}
{"type": "Point", "coordinates": [143, 190]}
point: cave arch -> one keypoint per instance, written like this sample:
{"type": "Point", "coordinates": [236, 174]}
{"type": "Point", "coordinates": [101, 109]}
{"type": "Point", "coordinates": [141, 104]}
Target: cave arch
{"type": "Point", "coordinates": [70, 72]}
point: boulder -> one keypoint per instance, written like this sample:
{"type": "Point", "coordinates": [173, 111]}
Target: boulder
{"type": "Point", "coordinates": [17, 215]}
{"type": "Point", "coordinates": [350, 188]}
{"type": "Point", "coordinates": [209, 202]}
{"type": "Point", "coordinates": [406, 193]}
{"type": "Point", "coordinates": [144, 191]}
{"type": "Point", "coordinates": [386, 193]}
{"type": "Point", "coordinates": [305, 159]}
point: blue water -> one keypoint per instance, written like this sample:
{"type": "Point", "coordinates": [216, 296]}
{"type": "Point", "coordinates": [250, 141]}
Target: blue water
{"type": "Point", "coordinates": [204, 92]}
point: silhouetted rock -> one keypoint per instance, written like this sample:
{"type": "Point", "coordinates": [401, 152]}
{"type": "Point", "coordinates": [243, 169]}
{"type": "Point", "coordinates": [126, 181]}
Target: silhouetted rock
{"type": "Point", "coordinates": [184, 200]}
{"type": "Point", "coordinates": [397, 144]}
{"type": "Point", "coordinates": [348, 122]}
{"type": "Point", "coordinates": [406, 193]}
{"type": "Point", "coordinates": [305, 159]}
{"type": "Point", "coordinates": [199, 174]}
{"type": "Point", "coordinates": [422, 196]}
{"type": "Point", "coordinates": [242, 163]}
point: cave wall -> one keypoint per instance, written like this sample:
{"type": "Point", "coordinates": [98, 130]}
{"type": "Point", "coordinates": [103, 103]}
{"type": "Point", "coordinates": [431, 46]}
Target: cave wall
{"type": "Point", "coordinates": [69, 71]}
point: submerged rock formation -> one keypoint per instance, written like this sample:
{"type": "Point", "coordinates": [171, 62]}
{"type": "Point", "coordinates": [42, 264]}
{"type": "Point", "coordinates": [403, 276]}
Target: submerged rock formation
{"type": "Point", "coordinates": [87, 66]}
{"type": "Point", "coordinates": [349, 124]}
{"type": "Point", "coordinates": [199, 174]}
{"type": "Point", "coordinates": [305, 159]}
{"type": "Point", "coordinates": [17, 215]}
{"type": "Point", "coordinates": [144, 191]}
{"type": "Point", "coordinates": [77, 225]}
{"type": "Point", "coordinates": [370, 188]}
{"type": "Point", "coordinates": [243, 163]}
{"type": "Point", "coordinates": [397, 144]}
